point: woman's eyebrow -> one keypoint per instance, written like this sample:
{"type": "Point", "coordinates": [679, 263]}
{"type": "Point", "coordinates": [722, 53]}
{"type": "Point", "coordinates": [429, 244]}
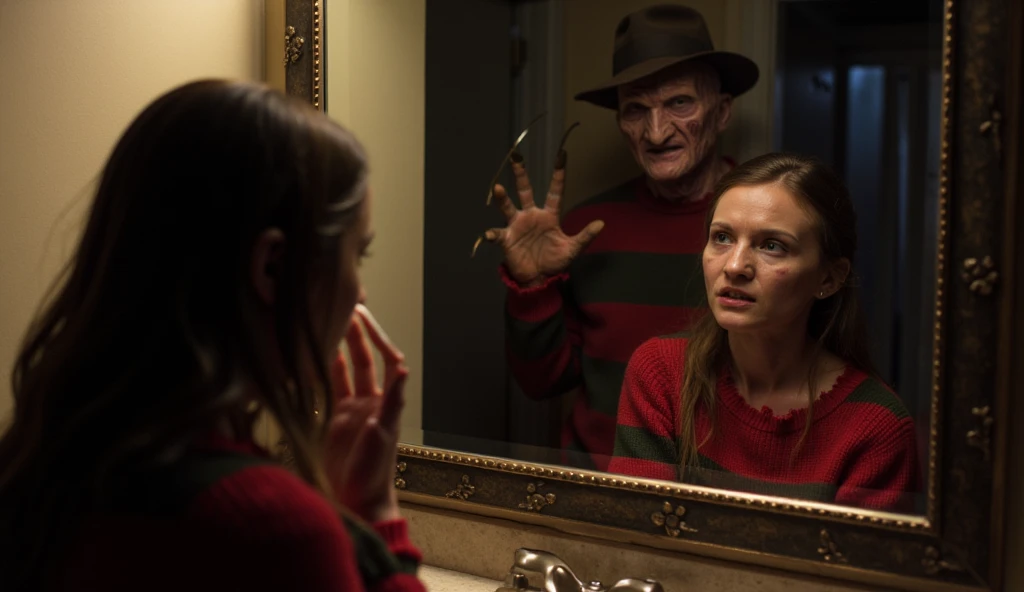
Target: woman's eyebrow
{"type": "Point", "coordinates": [716, 225]}
{"type": "Point", "coordinates": [780, 232]}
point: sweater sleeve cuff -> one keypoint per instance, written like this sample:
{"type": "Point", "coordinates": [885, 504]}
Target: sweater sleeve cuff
{"type": "Point", "coordinates": [396, 534]}
{"type": "Point", "coordinates": [534, 303]}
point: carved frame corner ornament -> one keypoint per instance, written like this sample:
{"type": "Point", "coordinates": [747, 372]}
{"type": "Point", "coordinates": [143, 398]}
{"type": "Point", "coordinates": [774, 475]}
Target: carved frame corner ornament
{"type": "Point", "coordinates": [671, 519]}
{"type": "Point", "coordinates": [463, 491]}
{"type": "Point", "coordinates": [934, 563]}
{"type": "Point", "coordinates": [828, 549]}
{"type": "Point", "coordinates": [292, 46]}
{"type": "Point", "coordinates": [400, 475]}
{"type": "Point", "coordinates": [536, 499]}
{"type": "Point", "coordinates": [981, 436]}
{"type": "Point", "coordinates": [981, 276]}
{"type": "Point", "coordinates": [954, 545]}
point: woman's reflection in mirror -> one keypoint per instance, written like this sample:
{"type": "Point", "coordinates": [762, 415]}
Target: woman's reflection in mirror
{"type": "Point", "coordinates": [773, 391]}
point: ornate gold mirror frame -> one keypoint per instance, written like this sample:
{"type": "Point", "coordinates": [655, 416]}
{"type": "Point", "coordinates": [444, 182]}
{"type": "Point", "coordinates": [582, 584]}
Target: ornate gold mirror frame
{"type": "Point", "coordinates": [958, 543]}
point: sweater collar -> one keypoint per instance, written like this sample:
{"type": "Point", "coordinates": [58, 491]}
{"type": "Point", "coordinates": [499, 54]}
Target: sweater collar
{"type": "Point", "coordinates": [765, 419]}
{"type": "Point", "coordinates": [643, 195]}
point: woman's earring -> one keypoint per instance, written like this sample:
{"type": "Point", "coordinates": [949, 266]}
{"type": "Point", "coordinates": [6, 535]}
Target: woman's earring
{"type": "Point", "coordinates": [822, 293]}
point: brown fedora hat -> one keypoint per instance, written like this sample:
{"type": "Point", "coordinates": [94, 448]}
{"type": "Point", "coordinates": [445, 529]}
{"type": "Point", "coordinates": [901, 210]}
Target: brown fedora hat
{"type": "Point", "coordinates": [656, 37]}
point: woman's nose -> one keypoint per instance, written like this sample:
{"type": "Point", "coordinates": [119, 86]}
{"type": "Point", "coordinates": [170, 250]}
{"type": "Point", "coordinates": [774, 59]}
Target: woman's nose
{"type": "Point", "coordinates": [362, 295]}
{"type": "Point", "coordinates": [739, 262]}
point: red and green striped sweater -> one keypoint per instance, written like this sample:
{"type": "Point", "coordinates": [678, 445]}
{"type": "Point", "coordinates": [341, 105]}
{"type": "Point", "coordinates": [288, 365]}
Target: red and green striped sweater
{"type": "Point", "coordinates": [861, 449]}
{"type": "Point", "coordinates": [639, 278]}
{"type": "Point", "coordinates": [227, 517]}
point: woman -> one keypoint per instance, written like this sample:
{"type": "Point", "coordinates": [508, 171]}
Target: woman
{"type": "Point", "coordinates": [773, 391]}
{"type": "Point", "coordinates": [216, 278]}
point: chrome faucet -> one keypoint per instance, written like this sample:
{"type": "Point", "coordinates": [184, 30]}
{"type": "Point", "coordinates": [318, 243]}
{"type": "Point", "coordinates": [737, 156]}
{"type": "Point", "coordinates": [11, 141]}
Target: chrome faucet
{"type": "Point", "coordinates": [540, 571]}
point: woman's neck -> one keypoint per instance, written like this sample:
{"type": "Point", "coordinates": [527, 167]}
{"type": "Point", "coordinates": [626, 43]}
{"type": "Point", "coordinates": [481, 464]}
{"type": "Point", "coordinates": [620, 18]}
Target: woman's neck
{"type": "Point", "coordinates": [772, 371]}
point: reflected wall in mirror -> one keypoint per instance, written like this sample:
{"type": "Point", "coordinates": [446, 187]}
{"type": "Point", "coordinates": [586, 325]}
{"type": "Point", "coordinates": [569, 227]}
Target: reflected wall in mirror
{"type": "Point", "coordinates": [529, 362]}
{"type": "Point", "coordinates": [903, 101]}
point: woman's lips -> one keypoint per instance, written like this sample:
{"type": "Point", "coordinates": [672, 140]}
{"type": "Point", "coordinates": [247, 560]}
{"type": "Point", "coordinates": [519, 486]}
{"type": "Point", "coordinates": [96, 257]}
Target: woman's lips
{"type": "Point", "coordinates": [727, 302]}
{"type": "Point", "coordinates": [732, 298]}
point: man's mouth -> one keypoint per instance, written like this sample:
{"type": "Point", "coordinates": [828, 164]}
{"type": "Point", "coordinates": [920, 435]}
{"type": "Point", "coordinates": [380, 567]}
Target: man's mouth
{"type": "Point", "coordinates": [661, 151]}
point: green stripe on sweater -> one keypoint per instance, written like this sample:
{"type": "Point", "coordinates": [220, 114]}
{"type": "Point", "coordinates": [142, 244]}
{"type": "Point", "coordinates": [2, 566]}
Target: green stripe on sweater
{"type": "Point", "coordinates": [604, 383]}
{"type": "Point", "coordinates": [168, 490]}
{"type": "Point", "coordinates": [576, 456]}
{"type": "Point", "coordinates": [638, 443]}
{"type": "Point", "coordinates": [622, 192]}
{"type": "Point", "coordinates": [711, 474]}
{"type": "Point", "coordinates": [376, 562]}
{"type": "Point", "coordinates": [657, 279]}
{"type": "Point", "coordinates": [873, 392]}
{"type": "Point", "coordinates": [532, 341]}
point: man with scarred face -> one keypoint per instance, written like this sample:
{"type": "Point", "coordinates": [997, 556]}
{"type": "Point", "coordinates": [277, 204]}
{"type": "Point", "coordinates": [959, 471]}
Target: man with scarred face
{"type": "Point", "coordinates": [585, 291]}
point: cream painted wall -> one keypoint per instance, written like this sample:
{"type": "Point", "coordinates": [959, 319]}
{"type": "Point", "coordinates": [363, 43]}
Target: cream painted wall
{"type": "Point", "coordinates": [375, 86]}
{"type": "Point", "coordinates": [597, 150]}
{"type": "Point", "coordinates": [73, 73]}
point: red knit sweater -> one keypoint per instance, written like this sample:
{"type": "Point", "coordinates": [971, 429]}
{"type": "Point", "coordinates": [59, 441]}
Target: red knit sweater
{"type": "Point", "coordinates": [639, 278]}
{"type": "Point", "coordinates": [229, 521]}
{"type": "Point", "coordinates": [860, 451]}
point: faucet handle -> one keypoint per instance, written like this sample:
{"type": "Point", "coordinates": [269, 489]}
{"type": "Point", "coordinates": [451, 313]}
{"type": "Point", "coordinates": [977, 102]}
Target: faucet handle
{"type": "Point", "coordinates": [515, 582]}
{"type": "Point", "coordinates": [536, 561]}
{"type": "Point", "coordinates": [555, 576]}
{"type": "Point", "coordinates": [635, 585]}
{"type": "Point", "coordinates": [561, 579]}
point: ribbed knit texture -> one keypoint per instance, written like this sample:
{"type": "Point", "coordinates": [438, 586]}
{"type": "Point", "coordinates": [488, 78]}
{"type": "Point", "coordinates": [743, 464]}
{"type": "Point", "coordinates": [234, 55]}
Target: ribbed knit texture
{"type": "Point", "coordinates": [639, 278]}
{"type": "Point", "coordinates": [255, 528]}
{"type": "Point", "coordinates": [861, 449]}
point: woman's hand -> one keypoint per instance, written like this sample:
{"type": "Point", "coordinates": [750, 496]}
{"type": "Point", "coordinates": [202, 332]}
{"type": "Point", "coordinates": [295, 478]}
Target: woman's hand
{"type": "Point", "coordinates": [362, 437]}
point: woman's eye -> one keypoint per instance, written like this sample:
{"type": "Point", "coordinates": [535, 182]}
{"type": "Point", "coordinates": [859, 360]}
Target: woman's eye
{"type": "Point", "coordinates": [774, 247]}
{"type": "Point", "coordinates": [720, 237]}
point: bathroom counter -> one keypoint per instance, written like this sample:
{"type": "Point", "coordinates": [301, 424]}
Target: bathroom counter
{"type": "Point", "coordinates": [437, 579]}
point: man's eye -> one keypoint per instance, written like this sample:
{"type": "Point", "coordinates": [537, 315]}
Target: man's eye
{"type": "Point", "coordinates": [632, 109]}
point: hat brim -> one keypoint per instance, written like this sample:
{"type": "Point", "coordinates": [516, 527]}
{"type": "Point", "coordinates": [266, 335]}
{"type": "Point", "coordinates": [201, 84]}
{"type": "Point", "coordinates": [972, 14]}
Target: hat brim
{"type": "Point", "coordinates": [737, 73]}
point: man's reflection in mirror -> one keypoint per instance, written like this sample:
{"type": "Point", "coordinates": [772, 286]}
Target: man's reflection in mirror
{"type": "Point", "coordinates": [623, 266]}
{"type": "Point", "coordinates": [773, 391]}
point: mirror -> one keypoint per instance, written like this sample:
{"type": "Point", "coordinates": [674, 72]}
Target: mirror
{"type": "Point", "coordinates": [540, 378]}
{"type": "Point", "coordinates": [907, 102]}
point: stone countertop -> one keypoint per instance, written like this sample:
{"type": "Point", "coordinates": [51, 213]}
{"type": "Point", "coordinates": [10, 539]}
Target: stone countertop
{"type": "Point", "coordinates": [445, 580]}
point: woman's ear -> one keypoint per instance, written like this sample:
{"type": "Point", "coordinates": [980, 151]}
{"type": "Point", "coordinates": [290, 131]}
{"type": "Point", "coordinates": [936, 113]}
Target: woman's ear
{"type": "Point", "coordinates": [836, 276]}
{"type": "Point", "coordinates": [265, 270]}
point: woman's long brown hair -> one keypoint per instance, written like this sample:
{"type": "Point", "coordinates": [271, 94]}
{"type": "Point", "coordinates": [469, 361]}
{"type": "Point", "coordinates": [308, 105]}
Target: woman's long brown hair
{"type": "Point", "coordinates": [154, 326]}
{"type": "Point", "coordinates": [836, 324]}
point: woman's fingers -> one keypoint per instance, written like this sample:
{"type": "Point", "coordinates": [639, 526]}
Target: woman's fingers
{"type": "Point", "coordinates": [364, 375]}
{"type": "Point", "coordinates": [394, 401]}
{"type": "Point", "coordinates": [394, 359]}
{"type": "Point", "coordinates": [350, 421]}
{"type": "Point", "coordinates": [339, 374]}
